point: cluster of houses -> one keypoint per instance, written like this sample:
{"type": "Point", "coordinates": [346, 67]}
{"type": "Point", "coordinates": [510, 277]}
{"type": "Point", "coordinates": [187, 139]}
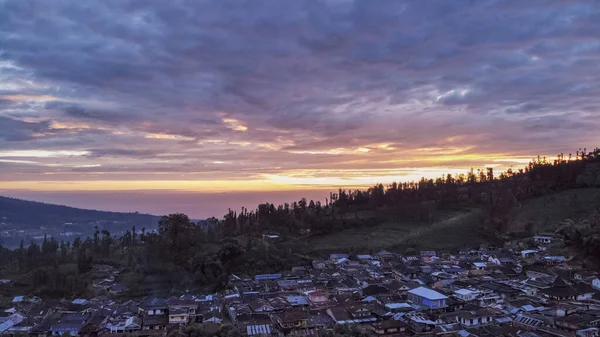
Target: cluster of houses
{"type": "Point", "coordinates": [102, 316]}
{"type": "Point", "coordinates": [478, 293]}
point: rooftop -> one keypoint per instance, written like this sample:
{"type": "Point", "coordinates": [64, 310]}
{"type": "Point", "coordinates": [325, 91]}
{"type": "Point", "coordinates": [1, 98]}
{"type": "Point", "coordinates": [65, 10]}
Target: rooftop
{"type": "Point", "coordinates": [428, 293]}
{"type": "Point", "coordinates": [464, 292]}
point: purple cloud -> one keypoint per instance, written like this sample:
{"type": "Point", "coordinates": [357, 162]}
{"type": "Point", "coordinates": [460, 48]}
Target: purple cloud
{"type": "Point", "coordinates": [229, 88]}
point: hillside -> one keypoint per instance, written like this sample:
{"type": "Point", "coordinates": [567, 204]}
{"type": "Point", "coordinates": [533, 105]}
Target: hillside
{"type": "Point", "coordinates": [544, 214]}
{"type": "Point", "coordinates": [22, 220]}
{"type": "Point", "coordinates": [458, 229]}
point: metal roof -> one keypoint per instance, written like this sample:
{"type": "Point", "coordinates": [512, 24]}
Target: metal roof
{"type": "Point", "coordinates": [262, 329]}
{"type": "Point", "coordinates": [267, 277]}
{"type": "Point", "coordinates": [427, 293]}
{"type": "Point", "coordinates": [464, 291]}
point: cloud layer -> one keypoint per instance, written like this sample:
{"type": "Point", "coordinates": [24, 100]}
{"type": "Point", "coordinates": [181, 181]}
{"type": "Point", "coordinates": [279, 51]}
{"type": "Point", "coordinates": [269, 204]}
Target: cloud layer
{"type": "Point", "coordinates": [319, 92]}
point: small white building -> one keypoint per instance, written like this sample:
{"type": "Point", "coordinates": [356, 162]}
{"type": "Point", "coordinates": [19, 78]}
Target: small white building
{"type": "Point", "coordinates": [474, 318]}
{"type": "Point", "coordinates": [528, 253]}
{"type": "Point", "coordinates": [479, 265]}
{"type": "Point", "coordinates": [465, 295]}
{"type": "Point", "coordinates": [596, 283]}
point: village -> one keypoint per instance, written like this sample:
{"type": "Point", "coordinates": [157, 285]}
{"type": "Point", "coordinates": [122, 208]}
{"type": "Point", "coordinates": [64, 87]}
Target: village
{"type": "Point", "coordinates": [484, 292]}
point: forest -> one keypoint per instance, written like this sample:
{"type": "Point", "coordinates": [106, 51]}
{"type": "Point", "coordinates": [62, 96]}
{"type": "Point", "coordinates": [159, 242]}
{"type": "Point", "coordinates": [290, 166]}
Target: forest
{"type": "Point", "coordinates": [183, 255]}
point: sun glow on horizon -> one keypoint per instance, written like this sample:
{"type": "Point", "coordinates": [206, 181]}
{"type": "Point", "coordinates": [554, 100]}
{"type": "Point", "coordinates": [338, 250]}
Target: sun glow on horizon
{"type": "Point", "coordinates": [286, 180]}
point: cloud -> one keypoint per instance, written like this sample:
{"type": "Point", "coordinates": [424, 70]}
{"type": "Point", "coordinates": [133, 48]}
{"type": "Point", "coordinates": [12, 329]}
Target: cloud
{"type": "Point", "coordinates": [121, 152]}
{"type": "Point", "coordinates": [14, 130]}
{"type": "Point", "coordinates": [279, 86]}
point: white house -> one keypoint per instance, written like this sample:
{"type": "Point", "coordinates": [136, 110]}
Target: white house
{"type": "Point", "coordinates": [528, 253]}
{"type": "Point", "coordinates": [596, 283]}
{"type": "Point", "coordinates": [465, 295]}
{"type": "Point", "coordinates": [474, 318]}
{"type": "Point", "coordinates": [479, 265]}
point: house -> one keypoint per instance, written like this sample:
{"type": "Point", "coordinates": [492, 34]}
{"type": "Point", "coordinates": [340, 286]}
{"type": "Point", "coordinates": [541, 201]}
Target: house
{"type": "Point", "coordinates": [296, 300]}
{"type": "Point", "coordinates": [428, 298]}
{"type": "Point", "coordinates": [465, 295]}
{"type": "Point", "coordinates": [320, 320]}
{"type": "Point", "coordinates": [26, 299]}
{"type": "Point", "coordinates": [390, 327]}
{"type": "Point", "coordinates": [395, 307]}
{"type": "Point", "coordinates": [528, 253]}
{"type": "Point", "coordinates": [261, 305]}
{"type": "Point", "coordinates": [285, 285]}
{"type": "Point", "coordinates": [420, 324]}
{"type": "Point", "coordinates": [428, 255]}
{"type": "Point", "coordinates": [318, 297]}
{"type": "Point", "coordinates": [596, 283]}
{"type": "Point", "coordinates": [584, 291]}
{"type": "Point", "coordinates": [319, 264]}
{"type": "Point", "coordinates": [291, 319]}
{"type": "Point", "coordinates": [577, 321]}
{"type": "Point", "coordinates": [559, 291]}
{"type": "Point", "coordinates": [265, 277]}
{"type": "Point", "coordinates": [9, 322]}
{"type": "Point", "coordinates": [18, 299]}
{"type": "Point", "coordinates": [502, 260]}
{"type": "Point", "coordinates": [69, 323]}
{"type": "Point", "coordinates": [154, 322]}
{"type": "Point", "coordinates": [479, 265]}
{"type": "Point", "coordinates": [178, 316]}
{"type": "Point", "coordinates": [182, 311]}
{"type": "Point", "coordinates": [154, 306]}
{"type": "Point", "coordinates": [527, 321]}
{"type": "Point", "coordinates": [553, 260]}
{"type": "Point", "coordinates": [212, 317]}
{"type": "Point", "coordinates": [80, 301]}
{"type": "Point", "coordinates": [398, 286]}
{"type": "Point", "coordinates": [259, 329]}
{"type": "Point", "coordinates": [474, 318]}
{"type": "Point", "coordinates": [342, 315]}
{"type": "Point", "coordinates": [589, 332]}
{"type": "Point", "coordinates": [542, 239]}
{"type": "Point", "coordinates": [375, 290]}
{"type": "Point", "coordinates": [360, 311]}
{"type": "Point", "coordinates": [385, 255]}
{"type": "Point", "coordinates": [117, 289]}
{"type": "Point", "coordinates": [122, 324]}
{"type": "Point", "coordinates": [337, 257]}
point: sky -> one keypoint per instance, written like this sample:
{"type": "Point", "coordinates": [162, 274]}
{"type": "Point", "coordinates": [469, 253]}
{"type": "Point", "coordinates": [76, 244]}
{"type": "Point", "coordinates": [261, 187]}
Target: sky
{"type": "Point", "coordinates": [200, 106]}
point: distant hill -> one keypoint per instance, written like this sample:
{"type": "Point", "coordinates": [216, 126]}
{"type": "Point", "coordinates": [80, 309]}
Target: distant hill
{"type": "Point", "coordinates": [24, 214]}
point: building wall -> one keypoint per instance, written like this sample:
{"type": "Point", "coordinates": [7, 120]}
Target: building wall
{"type": "Point", "coordinates": [178, 319]}
{"type": "Point", "coordinates": [156, 312]}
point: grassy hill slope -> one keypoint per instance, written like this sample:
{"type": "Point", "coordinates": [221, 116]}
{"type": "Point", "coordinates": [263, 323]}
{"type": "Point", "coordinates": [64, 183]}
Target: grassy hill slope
{"type": "Point", "coordinates": [455, 230]}
{"type": "Point", "coordinates": [543, 214]}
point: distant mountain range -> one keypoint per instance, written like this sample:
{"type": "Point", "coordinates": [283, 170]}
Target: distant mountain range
{"type": "Point", "coordinates": [24, 214]}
